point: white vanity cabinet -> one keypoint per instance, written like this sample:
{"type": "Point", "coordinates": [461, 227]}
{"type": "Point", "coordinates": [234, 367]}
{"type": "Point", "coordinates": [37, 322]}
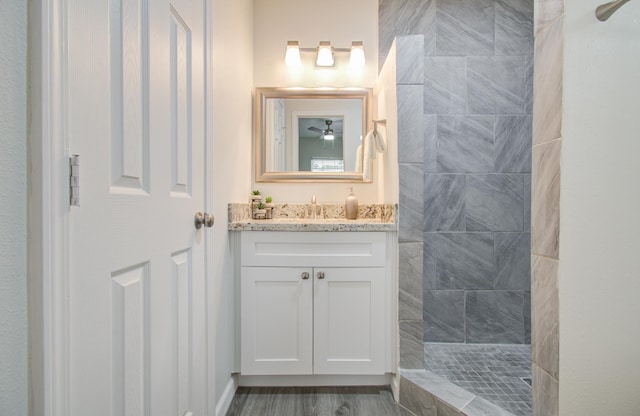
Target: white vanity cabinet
{"type": "Point", "coordinates": [314, 303]}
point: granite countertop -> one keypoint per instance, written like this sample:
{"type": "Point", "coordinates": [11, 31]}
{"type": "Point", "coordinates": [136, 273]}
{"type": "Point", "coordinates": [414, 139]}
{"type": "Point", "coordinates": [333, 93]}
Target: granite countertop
{"type": "Point", "coordinates": [291, 217]}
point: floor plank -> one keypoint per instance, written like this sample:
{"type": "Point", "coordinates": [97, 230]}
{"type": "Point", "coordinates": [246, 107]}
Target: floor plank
{"type": "Point", "coordinates": [315, 401]}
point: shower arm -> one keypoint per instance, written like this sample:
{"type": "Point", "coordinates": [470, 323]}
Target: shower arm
{"type": "Point", "coordinates": [604, 11]}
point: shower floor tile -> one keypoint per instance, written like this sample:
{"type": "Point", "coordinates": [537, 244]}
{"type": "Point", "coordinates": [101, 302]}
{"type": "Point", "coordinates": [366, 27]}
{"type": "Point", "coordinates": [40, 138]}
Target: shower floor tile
{"type": "Point", "coordinates": [498, 373]}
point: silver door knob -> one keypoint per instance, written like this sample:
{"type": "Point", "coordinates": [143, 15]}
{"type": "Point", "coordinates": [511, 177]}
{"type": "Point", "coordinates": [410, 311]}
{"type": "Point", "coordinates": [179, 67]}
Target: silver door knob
{"type": "Point", "coordinates": [305, 275]}
{"type": "Point", "coordinates": [320, 275]}
{"type": "Point", "coordinates": [203, 218]}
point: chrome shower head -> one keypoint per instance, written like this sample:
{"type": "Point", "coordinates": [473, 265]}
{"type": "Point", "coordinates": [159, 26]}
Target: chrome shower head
{"type": "Point", "coordinates": [604, 11]}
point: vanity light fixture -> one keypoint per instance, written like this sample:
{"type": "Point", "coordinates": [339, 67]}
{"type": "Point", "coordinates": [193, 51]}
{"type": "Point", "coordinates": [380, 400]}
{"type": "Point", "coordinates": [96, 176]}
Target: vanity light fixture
{"type": "Point", "coordinates": [356, 59]}
{"type": "Point", "coordinates": [292, 58]}
{"type": "Point", "coordinates": [324, 54]}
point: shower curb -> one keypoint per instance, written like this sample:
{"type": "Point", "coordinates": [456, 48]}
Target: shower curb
{"type": "Point", "coordinates": [426, 394]}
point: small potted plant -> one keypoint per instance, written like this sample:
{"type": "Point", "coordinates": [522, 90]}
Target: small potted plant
{"type": "Point", "coordinates": [261, 213]}
{"type": "Point", "coordinates": [255, 196]}
{"type": "Point", "coordinates": [268, 206]}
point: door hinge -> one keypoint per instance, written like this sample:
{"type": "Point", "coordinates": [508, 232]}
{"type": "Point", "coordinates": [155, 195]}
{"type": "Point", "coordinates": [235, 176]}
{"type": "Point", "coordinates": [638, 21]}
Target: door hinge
{"type": "Point", "coordinates": [74, 181]}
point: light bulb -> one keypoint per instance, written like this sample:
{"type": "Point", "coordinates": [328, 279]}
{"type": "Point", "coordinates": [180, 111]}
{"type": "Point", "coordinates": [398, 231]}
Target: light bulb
{"type": "Point", "coordinates": [356, 59]}
{"type": "Point", "coordinates": [292, 58]}
{"type": "Point", "coordinates": [325, 54]}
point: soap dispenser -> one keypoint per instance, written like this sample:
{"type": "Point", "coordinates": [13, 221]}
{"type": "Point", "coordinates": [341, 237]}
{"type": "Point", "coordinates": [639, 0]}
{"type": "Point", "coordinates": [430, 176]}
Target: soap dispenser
{"type": "Point", "coordinates": [351, 206]}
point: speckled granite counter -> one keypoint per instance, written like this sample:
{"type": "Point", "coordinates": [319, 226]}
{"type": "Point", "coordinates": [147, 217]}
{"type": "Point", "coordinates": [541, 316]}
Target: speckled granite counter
{"type": "Point", "coordinates": [291, 217]}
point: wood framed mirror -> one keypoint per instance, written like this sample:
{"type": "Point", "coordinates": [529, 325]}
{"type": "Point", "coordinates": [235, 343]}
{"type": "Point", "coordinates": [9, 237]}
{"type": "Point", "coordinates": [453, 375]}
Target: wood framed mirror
{"type": "Point", "coordinates": [310, 134]}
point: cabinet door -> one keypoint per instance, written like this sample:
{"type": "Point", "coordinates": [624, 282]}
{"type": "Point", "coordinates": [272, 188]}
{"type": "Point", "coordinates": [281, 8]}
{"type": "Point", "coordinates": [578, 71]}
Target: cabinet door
{"type": "Point", "coordinates": [276, 320]}
{"type": "Point", "coordinates": [349, 321]}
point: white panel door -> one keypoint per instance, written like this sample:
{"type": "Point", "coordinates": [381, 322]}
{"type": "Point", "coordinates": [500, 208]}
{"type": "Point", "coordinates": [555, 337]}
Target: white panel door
{"type": "Point", "coordinates": [276, 320]}
{"type": "Point", "coordinates": [137, 294]}
{"type": "Point", "coordinates": [349, 320]}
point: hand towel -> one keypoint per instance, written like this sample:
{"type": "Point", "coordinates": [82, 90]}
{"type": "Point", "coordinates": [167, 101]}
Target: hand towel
{"type": "Point", "coordinates": [359, 159]}
{"type": "Point", "coordinates": [379, 142]}
{"type": "Point", "coordinates": [369, 153]}
{"type": "Point", "coordinates": [373, 143]}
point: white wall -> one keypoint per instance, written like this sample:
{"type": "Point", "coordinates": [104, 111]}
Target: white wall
{"type": "Point", "coordinates": [340, 22]}
{"type": "Point", "coordinates": [599, 279]}
{"type": "Point", "coordinates": [387, 98]}
{"type": "Point", "coordinates": [309, 22]}
{"type": "Point", "coordinates": [13, 209]}
{"type": "Point", "coordinates": [232, 87]}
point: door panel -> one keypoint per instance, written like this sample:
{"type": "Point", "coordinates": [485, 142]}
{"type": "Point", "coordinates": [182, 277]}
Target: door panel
{"type": "Point", "coordinates": [349, 321]}
{"type": "Point", "coordinates": [180, 109]}
{"type": "Point", "coordinates": [181, 316]}
{"type": "Point", "coordinates": [128, 26]}
{"type": "Point", "coordinates": [130, 341]}
{"type": "Point", "coordinates": [137, 297]}
{"type": "Point", "coordinates": [276, 321]}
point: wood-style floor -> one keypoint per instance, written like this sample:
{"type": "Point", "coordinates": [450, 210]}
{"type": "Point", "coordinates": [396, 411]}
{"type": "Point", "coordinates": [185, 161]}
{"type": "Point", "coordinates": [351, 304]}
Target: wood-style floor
{"type": "Point", "coordinates": [315, 401]}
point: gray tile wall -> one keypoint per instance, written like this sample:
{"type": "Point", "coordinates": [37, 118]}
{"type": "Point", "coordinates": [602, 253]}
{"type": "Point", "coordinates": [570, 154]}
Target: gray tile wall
{"type": "Point", "coordinates": [409, 87]}
{"type": "Point", "coordinates": [475, 154]}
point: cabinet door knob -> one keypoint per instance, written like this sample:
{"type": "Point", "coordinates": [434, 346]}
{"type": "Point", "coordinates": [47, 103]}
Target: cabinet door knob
{"type": "Point", "coordinates": [305, 275]}
{"type": "Point", "coordinates": [320, 275]}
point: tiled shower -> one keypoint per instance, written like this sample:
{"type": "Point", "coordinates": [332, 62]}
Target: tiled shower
{"type": "Point", "coordinates": [475, 165]}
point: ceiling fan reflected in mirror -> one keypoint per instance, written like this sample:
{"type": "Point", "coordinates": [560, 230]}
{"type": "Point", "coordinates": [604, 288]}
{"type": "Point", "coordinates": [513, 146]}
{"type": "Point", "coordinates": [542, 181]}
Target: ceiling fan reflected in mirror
{"type": "Point", "coordinates": [326, 134]}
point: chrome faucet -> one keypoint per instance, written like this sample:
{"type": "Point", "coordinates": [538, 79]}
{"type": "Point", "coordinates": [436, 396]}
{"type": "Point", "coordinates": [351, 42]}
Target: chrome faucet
{"type": "Point", "coordinates": [314, 209]}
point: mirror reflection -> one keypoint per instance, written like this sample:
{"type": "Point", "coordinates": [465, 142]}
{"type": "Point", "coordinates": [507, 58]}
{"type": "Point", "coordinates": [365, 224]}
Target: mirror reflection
{"type": "Point", "coordinates": [310, 134]}
{"type": "Point", "coordinates": [320, 145]}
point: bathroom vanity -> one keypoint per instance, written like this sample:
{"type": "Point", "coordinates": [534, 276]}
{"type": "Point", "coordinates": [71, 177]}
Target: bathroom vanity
{"type": "Point", "coordinates": [315, 298]}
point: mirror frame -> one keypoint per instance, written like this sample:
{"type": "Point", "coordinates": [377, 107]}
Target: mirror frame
{"type": "Point", "coordinates": [262, 94]}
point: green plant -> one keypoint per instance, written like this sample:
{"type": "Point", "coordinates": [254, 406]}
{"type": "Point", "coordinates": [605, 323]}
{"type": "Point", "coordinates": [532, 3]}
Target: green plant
{"type": "Point", "coordinates": [260, 205]}
{"type": "Point", "coordinates": [268, 200]}
{"type": "Point", "coordinates": [256, 192]}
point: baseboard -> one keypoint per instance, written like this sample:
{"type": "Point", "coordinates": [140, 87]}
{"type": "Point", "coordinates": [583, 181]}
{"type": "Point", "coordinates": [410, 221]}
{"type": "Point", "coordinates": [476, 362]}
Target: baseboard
{"type": "Point", "coordinates": [314, 380]}
{"type": "Point", "coordinates": [227, 396]}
